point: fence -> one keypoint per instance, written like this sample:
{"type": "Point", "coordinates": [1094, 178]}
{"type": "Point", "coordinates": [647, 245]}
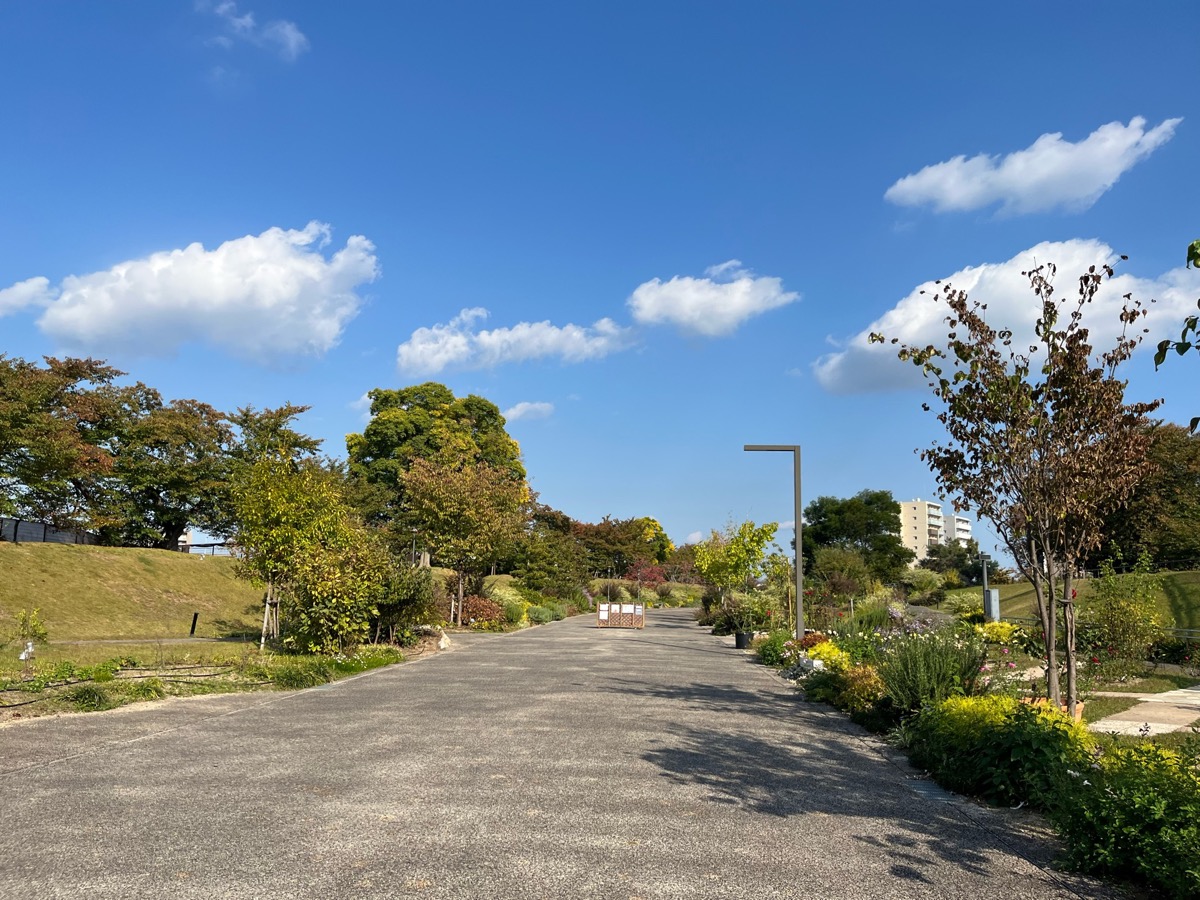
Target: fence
{"type": "Point", "coordinates": [19, 531]}
{"type": "Point", "coordinates": [1183, 634]}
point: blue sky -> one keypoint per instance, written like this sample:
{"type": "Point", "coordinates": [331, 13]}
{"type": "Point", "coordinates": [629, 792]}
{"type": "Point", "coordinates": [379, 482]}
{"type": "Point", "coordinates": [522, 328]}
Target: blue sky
{"type": "Point", "coordinates": [680, 218]}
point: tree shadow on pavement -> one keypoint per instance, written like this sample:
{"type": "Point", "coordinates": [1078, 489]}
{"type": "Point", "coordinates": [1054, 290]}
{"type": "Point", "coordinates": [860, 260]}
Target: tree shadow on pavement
{"type": "Point", "coordinates": [819, 768]}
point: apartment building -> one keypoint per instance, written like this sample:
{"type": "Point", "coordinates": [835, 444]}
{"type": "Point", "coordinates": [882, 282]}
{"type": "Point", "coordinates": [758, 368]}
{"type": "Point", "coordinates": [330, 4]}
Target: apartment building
{"type": "Point", "coordinates": [922, 525]}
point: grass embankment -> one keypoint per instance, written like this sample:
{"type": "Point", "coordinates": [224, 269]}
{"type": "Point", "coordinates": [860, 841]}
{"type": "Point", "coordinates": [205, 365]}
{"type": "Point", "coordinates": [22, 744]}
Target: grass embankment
{"type": "Point", "coordinates": [118, 620]}
{"type": "Point", "coordinates": [108, 593]}
{"type": "Point", "coordinates": [1178, 598]}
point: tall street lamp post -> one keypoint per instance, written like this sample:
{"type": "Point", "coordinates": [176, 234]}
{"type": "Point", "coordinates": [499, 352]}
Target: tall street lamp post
{"type": "Point", "coordinates": [794, 449]}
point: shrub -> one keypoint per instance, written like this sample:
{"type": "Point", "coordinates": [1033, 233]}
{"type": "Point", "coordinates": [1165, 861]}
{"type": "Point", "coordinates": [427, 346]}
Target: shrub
{"type": "Point", "coordinates": [927, 668]}
{"type": "Point", "coordinates": [812, 638]}
{"type": "Point", "coordinates": [998, 748]}
{"type": "Point", "coordinates": [482, 612]}
{"type": "Point", "coordinates": [91, 697]}
{"type": "Point", "coordinates": [835, 659]}
{"type": "Point", "coordinates": [1119, 620]}
{"type": "Point", "coordinates": [31, 628]}
{"type": "Point", "coordinates": [870, 617]}
{"type": "Point", "coordinates": [861, 690]}
{"type": "Point", "coordinates": [966, 607]}
{"type": "Point", "coordinates": [505, 592]}
{"type": "Point", "coordinates": [773, 649]}
{"type": "Point", "coordinates": [823, 687]}
{"type": "Point", "coordinates": [1136, 815]}
{"type": "Point", "coordinates": [999, 632]}
{"type": "Point", "coordinates": [514, 612]}
{"type": "Point", "coordinates": [663, 589]}
{"type": "Point", "coordinates": [549, 611]}
{"type": "Point", "coordinates": [611, 591]}
{"type": "Point", "coordinates": [539, 615]}
{"type": "Point", "coordinates": [862, 646]}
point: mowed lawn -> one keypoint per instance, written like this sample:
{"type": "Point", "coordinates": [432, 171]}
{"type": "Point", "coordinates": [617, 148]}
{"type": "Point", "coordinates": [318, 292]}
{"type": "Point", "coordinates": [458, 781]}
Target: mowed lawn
{"type": "Point", "coordinates": [98, 593]}
{"type": "Point", "coordinates": [1179, 598]}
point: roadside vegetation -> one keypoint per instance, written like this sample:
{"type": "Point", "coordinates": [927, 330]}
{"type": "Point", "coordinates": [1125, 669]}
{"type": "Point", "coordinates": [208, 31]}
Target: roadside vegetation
{"type": "Point", "coordinates": [1041, 444]}
{"type": "Point", "coordinates": [429, 524]}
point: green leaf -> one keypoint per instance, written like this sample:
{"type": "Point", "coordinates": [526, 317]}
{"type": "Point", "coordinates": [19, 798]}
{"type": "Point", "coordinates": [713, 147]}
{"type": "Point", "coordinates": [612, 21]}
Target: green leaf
{"type": "Point", "coordinates": [1193, 254]}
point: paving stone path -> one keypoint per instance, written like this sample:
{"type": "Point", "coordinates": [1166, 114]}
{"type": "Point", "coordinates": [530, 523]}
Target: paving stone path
{"type": "Point", "coordinates": [1154, 714]}
{"type": "Point", "coordinates": [564, 761]}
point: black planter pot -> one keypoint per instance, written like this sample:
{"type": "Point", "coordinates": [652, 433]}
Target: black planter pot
{"type": "Point", "coordinates": [742, 639]}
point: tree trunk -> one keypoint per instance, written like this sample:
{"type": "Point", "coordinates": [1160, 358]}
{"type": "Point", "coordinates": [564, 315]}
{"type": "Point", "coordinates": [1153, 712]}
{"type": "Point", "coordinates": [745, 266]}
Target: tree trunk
{"type": "Point", "coordinates": [1069, 640]}
{"type": "Point", "coordinates": [262, 643]}
{"type": "Point", "coordinates": [1053, 685]}
{"type": "Point", "coordinates": [461, 579]}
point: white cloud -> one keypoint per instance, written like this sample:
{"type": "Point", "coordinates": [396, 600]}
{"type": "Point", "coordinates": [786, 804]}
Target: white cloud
{"type": "Point", "coordinates": [261, 297]}
{"type": "Point", "coordinates": [280, 36]}
{"type": "Point", "coordinates": [711, 306]}
{"type": "Point", "coordinates": [1049, 174]}
{"type": "Point", "coordinates": [917, 320]}
{"type": "Point", "coordinates": [529, 410]}
{"type": "Point", "coordinates": [31, 292]}
{"type": "Point", "coordinates": [459, 343]}
{"type": "Point", "coordinates": [695, 537]}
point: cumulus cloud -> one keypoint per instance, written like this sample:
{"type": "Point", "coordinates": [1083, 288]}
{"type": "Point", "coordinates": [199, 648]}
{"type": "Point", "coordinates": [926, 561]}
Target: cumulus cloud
{"type": "Point", "coordinates": [261, 297]}
{"type": "Point", "coordinates": [31, 292]}
{"type": "Point", "coordinates": [529, 410]}
{"type": "Point", "coordinates": [461, 343]}
{"type": "Point", "coordinates": [695, 537]}
{"type": "Point", "coordinates": [1049, 174]}
{"type": "Point", "coordinates": [280, 36]}
{"type": "Point", "coordinates": [711, 306]}
{"type": "Point", "coordinates": [917, 319]}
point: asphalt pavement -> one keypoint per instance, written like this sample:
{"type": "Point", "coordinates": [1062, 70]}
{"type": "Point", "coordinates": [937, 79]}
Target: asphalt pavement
{"type": "Point", "coordinates": [563, 761]}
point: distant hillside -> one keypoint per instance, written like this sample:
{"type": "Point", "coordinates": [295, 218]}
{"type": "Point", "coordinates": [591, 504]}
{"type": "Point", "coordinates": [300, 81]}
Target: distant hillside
{"type": "Point", "coordinates": [89, 593]}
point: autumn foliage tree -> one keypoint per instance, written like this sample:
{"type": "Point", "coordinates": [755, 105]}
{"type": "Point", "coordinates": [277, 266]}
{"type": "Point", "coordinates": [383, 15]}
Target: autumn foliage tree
{"type": "Point", "coordinates": [469, 515]}
{"type": "Point", "coordinates": [1041, 442]}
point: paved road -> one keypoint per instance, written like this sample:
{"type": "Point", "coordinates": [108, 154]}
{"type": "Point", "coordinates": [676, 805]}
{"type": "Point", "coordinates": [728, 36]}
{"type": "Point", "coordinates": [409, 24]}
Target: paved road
{"type": "Point", "coordinates": [564, 761]}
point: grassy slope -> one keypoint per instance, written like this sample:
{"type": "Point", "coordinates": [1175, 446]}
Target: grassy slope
{"type": "Point", "coordinates": [1179, 599]}
{"type": "Point", "coordinates": [89, 593]}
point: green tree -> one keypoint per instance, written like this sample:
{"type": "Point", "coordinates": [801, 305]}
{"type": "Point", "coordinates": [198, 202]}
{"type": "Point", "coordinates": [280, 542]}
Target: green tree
{"type": "Point", "coordinates": [842, 571]}
{"type": "Point", "coordinates": [50, 458]}
{"type": "Point", "coordinates": [171, 469]}
{"type": "Point", "coordinates": [1162, 516]}
{"type": "Point", "coordinates": [868, 522]}
{"type": "Point", "coordinates": [963, 560]}
{"type": "Point", "coordinates": [269, 432]}
{"type": "Point", "coordinates": [1041, 442]}
{"type": "Point", "coordinates": [612, 545]}
{"type": "Point", "coordinates": [549, 557]}
{"type": "Point", "coordinates": [407, 598]}
{"type": "Point", "coordinates": [423, 422]}
{"type": "Point", "coordinates": [732, 558]}
{"type": "Point", "coordinates": [925, 587]}
{"type": "Point", "coordinates": [296, 534]}
{"type": "Point", "coordinates": [469, 516]}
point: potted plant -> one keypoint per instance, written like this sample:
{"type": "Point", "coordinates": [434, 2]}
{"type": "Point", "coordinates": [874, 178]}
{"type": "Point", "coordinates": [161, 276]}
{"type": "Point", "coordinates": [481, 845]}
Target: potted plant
{"type": "Point", "coordinates": [746, 617]}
